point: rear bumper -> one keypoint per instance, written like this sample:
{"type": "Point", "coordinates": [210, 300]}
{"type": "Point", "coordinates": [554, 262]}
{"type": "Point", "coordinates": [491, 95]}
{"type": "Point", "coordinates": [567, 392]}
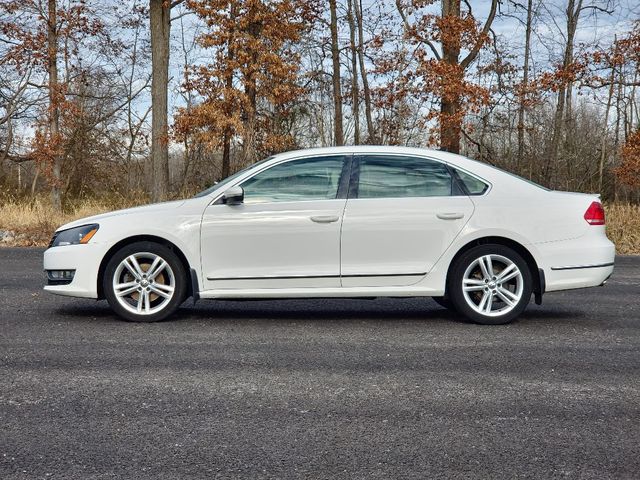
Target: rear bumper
{"type": "Point", "coordinates": [578, 263]}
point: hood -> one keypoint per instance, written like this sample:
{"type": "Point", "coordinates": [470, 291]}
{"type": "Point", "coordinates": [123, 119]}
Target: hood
{"type": "Point", "coordinates": [154, 207]}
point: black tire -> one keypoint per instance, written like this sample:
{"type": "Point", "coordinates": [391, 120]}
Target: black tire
{"type": "Point", "coordinates": [175, 266]}
{"type": "Point", "coordinates": [444, 302]}
{"type": "Point", "coordinates": [456, 294]}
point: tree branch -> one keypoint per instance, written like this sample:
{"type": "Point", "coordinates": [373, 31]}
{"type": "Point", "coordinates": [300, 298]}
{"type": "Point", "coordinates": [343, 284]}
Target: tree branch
{"type": "Point", "coordinates": [180, 15]}
{"type": "Point", "coordinates": [485, 30]}
{"type": "Point", "coordinates": [15, 158]}
{"type": "Point", "coordinates": [408, 27]}
{"type": "Point", "coordinates": [600, 9]}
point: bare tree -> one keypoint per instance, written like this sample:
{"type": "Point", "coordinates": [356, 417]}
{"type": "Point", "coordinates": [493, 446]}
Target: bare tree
{"type": "Point", "coordinates": [335, 58]}
{"type": "Point", "coordinates": [355, 94]}
{"type": "Point", "coordinates": [605, 124]}
{"type": "Point", "coordinates": [363, 73]}
{"type": "Point", "coordinates": [525, 86]}
{"type": "Point", "coordinates": [226, 141]}
{"type": "Point", "coordinates": [54, 99]}
{"type": "Point", "coordinates": [563, 110]}
{"type": "Point", "coordinates": [160, 26]}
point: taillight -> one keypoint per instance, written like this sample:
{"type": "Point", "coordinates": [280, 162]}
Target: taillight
{"type": "Point", "coordinates": [594, 214]}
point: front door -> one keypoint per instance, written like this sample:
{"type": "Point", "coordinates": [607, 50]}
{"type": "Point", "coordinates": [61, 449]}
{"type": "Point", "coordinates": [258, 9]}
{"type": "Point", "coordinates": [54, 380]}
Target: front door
{"type": "Point", "coordinates": [286, 233]}
{"type": "Point", "coordinates": [402, 214]}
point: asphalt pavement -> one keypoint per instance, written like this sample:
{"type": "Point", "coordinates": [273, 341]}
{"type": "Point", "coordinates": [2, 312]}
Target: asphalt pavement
{"type": "Point", "coordinates": [326, 389]}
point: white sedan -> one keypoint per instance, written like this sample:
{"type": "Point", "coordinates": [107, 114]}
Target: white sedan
{"type": "Point", "coordinates": [342, 222]}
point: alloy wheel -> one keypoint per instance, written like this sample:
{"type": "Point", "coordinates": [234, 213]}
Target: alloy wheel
{"type": "Point", "coordinates": [492, 285]}
{"type": "Point", "coordinates": [144, 283]}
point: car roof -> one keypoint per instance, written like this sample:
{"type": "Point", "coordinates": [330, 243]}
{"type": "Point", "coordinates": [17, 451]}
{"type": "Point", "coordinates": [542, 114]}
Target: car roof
{"type": "Point", "coordinates": [359, 149]}
{"type": "Point", "coordinates": [453, 159]}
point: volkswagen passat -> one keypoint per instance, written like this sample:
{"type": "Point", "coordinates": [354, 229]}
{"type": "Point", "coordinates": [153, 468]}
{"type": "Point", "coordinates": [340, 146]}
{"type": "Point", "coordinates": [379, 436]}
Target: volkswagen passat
{"type": "Point", "coordinates": [342, 222]}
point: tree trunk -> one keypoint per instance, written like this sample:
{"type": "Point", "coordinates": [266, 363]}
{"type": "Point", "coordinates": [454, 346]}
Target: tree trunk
{"type": "Point", "coordinates": [226, 154]}
{"type": "Point", "coordinates": [34, 182]}
{"type": "Point", "coordinates": [54, 103]}
{"type": "Point", "coordinates": [525, 84]}
{"type": "Point", "coordinates": [355, 94]}
{"type": "Point", "coordinates": [250, 124]}
{"type": "Point", "coordinates": [337, 95]}
{"type": "Point", "coordinates": [363, 73]}
{"type": "Point", "coordinates": [616, 138]}
{"type": "Point", "coordinates": [251, 115]}
{"type": "Point", "coordinates": [555, 136]}
{"type": "Point", "coordinates": [160, 25]}
{"type": "Point", "coordinates": [605, 127]}
{"type": "Point", "coordinates": [450, 131]}
{"type": "Point", "coordinates": [249, 140]}
{"type": "Point", "coordinates": [226, 139]}
{"type": "Point", "coordinates": [573, 14]}
{"type": "Point", "coordinates": [450, 106]}
{"type": "Point", "coordinates": [564, 91]}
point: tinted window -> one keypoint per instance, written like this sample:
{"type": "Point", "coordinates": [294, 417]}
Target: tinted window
{"type": "Point", "coordinates": [297, 180]}
{"type": "Point", "coordinates": [473, 185]}
{"type": "Point", "coordinates": [393, 176]}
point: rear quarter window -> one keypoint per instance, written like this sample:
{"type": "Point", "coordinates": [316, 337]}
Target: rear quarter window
{"type": "Point", "coordinates": [473, 185]}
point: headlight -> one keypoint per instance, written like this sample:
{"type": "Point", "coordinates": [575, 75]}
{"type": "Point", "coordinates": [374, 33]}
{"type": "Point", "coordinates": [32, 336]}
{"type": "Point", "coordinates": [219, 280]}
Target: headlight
{"type": "Point", "coordinates": [74, 236]}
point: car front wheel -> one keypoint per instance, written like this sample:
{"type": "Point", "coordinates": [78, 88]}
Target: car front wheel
{"type": "Point", "coordinates": [490, 284]}
{"type": "Point", "coordinates": [144, 282]}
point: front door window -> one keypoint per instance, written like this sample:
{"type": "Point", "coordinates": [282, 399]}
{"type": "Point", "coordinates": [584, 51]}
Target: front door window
{"type": "Point", "coordinates": [295, 181]}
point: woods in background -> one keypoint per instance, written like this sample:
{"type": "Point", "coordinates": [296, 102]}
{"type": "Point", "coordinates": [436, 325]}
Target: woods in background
{"type": "Point", "coordinates": [168, 97]}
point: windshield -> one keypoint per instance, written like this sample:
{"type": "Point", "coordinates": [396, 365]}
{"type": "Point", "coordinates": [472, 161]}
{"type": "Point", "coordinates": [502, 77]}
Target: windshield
{"type": "Point", "coordinates": [229, 179]}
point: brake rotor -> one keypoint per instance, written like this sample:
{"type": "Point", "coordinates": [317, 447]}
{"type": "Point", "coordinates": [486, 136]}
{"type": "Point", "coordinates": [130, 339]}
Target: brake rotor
{"type": "Point", "coordinates": [478, 295]}
{"type": "Point", "coordinates": [159, 279]}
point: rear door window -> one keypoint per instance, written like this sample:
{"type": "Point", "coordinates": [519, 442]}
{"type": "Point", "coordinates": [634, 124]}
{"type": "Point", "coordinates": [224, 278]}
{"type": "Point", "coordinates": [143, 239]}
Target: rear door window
{"type": "Point", "coordinates": [391, 176]}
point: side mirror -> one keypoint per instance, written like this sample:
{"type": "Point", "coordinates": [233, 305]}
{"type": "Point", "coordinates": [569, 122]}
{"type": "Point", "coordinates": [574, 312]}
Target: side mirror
{"type": "Point", "coordinates": [233, 196]}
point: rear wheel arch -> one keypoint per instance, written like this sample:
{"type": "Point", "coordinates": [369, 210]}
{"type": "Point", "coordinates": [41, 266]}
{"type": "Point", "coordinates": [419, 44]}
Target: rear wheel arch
{"type": "Point", "coordinates": [144, 238]}
{"type": "Point", "coordinates": [536, 273]}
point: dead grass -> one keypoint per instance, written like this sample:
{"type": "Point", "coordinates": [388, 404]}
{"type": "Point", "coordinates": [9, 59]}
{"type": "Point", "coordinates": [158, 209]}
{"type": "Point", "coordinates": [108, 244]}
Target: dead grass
{"type": "Point", "coordinates": [34, 220]}
{"type": "Point", "coordinates": [623, 227]}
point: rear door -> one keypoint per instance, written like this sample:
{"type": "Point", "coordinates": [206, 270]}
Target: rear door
{"type": "Point", "coordinates": [402, 214]}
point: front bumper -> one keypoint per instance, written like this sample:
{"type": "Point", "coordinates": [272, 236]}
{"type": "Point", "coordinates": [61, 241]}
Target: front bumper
{"type": "Point", "coordinates": [85, 260]}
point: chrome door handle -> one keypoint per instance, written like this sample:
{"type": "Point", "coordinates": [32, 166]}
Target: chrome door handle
{"type": "Point", "coordinates": [450, 216]}
{"type": "Point", "coordinates": [325, 218]}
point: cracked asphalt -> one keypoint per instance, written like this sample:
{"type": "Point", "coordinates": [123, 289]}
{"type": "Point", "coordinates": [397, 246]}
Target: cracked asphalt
{"type": "Point", "coordinates": [326, 389]}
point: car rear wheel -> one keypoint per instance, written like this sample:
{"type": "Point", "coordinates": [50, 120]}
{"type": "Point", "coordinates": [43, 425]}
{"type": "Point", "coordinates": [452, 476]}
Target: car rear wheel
{"type": "Point", "coordinates": [490, 284]}
{"type": "Point", "coordinates": [144, 282]}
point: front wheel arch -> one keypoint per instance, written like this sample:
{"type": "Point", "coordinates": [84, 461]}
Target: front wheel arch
{"type": "Point", "coordinates": [537, 273]}
{"type": "Point", "coordinates": [143, 238]}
